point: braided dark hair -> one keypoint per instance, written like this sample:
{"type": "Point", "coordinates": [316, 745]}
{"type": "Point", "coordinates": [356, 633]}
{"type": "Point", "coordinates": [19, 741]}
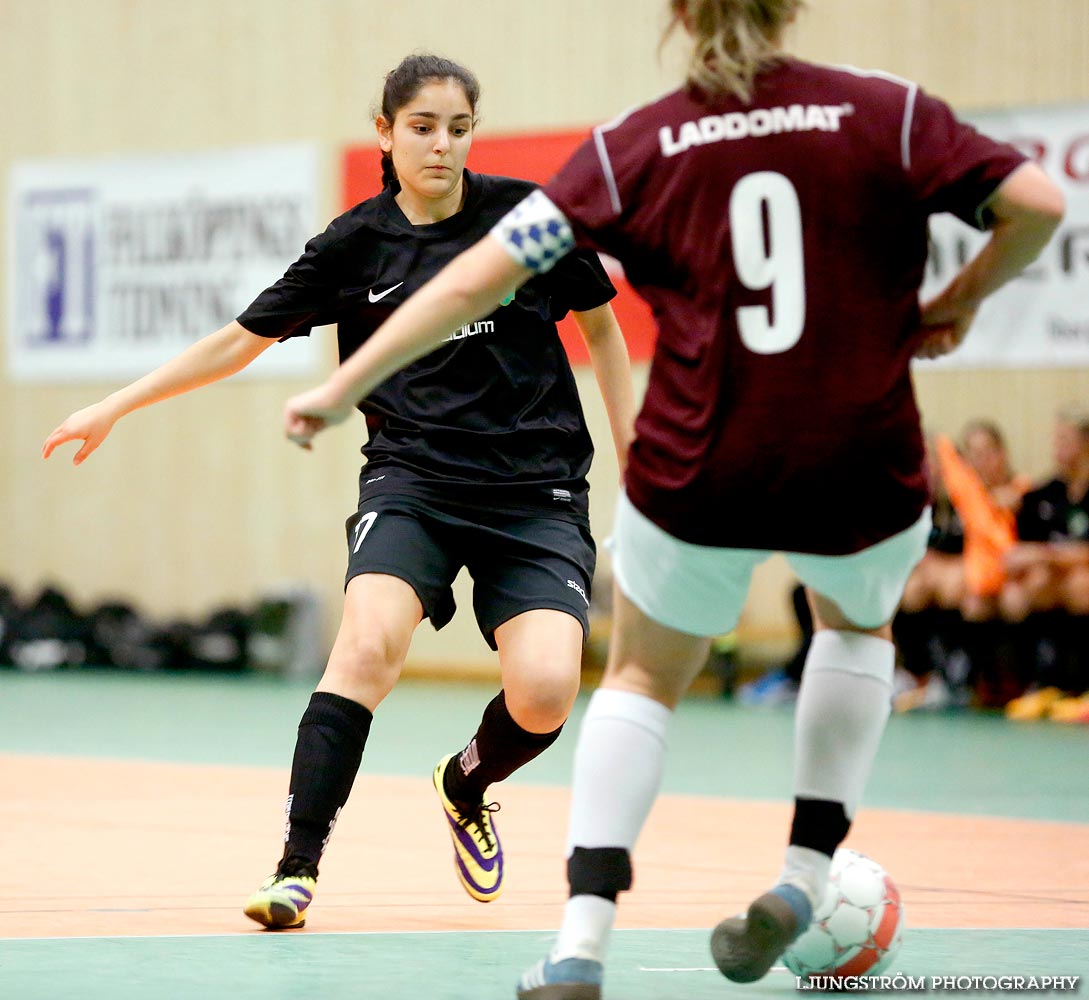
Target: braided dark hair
{"type": "Point", "coordinates": [405, 81]}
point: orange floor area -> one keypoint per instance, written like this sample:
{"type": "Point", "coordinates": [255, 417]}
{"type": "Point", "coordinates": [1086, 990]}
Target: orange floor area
{"type": "Point", "coordinates": [130, 848]}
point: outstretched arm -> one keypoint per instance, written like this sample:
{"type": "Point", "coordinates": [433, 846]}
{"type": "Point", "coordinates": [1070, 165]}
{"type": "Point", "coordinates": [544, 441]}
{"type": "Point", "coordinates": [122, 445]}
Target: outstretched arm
{"type": "Point", "coordinates": [210, 359]}
{"type": "Point", "coordinates": [612, 369]}
{"type": "Point", "coordinates": [1027, 207]}
{"type": "Point", "coordinates": [470, 286]}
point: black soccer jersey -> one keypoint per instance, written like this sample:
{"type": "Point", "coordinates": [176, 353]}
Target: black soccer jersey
{"type": "Point", "coordinates": [493, 415]}
{"type": "Point", "coordinates": [1049, 515]}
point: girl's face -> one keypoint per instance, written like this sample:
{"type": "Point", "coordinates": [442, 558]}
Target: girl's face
{"type": "Point", "coordinates": [987, 457]}
{"type": "Point", "coordinates": [1068, 445]}
{"type": "Point", "coordinates": [429, 139]}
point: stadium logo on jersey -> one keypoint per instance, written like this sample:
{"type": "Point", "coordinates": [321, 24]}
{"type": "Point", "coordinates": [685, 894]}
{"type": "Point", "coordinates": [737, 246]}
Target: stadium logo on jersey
{"type": "Point", "coordinates": [753, 124]}
{"type": "Point", "coordinates": [471, 330]}
{"type": "Point", "coordinates": [55, 292]}
{"type": "Point", "coordinates": [581, 592]}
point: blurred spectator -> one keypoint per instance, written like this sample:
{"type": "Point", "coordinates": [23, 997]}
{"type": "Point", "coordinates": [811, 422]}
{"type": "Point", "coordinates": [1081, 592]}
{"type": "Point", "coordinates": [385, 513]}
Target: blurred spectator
{"type": "Point", "coordinates": [987, 495]}
{"type": "Point", "coordinates": [928, 625]}
{"type": "Point", "coordinates": [971, 653]}
{"type": "Point", "coordinates": [779, 685]}
{"type": "Point", "coordinates": [1049, 579]}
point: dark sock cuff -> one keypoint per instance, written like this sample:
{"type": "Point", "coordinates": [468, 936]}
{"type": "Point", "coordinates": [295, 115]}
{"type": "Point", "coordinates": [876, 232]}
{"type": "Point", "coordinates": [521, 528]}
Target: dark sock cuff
{"type": "Point", "coordinates": [501, 747]}
{"type": "Point", "coordinates": [501, 722]}
{"type": "Point", "coordinates": [599, 871]}
{"type": "Point", "coordinates": [342, 714]}
{"type": "Point", "coordinates": [819, 824]}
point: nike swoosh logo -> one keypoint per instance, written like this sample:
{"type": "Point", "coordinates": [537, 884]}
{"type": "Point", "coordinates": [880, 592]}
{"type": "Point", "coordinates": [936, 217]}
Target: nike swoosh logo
{"type": "Point", "coordinates": [381, 295]}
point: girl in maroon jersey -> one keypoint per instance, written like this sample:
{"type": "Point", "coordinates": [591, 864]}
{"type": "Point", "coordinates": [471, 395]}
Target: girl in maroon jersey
{"type": "Point", "coordinates": [773, 213]}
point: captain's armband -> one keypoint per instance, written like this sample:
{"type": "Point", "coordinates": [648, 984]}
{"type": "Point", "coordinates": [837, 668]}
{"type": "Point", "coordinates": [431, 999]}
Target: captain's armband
{"type": "Point", "coordinates": [535, 233]}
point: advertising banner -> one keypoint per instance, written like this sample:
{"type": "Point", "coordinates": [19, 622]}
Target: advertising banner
{"type": "Point", "coordinates": [115, 265]}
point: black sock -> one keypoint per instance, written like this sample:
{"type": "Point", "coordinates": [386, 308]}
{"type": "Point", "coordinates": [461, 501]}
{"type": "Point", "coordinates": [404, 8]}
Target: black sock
{"type": "Point", "coordinates": [980, 641]}
{"type": "Point", "coordinates": [819, 824]}
{"type": "Point", "coordinates": [796, 664]}
{"type": "Point", "coordinates": [914, 633]}
{"type": "Point", "coordinates": [500, 747]}
{"type": "Point", "coordinates": [332, 734]}
{"type": "Point", "coordinates": [1046, 648]}
{"type": "Point", "coordinates": [1072, 675]}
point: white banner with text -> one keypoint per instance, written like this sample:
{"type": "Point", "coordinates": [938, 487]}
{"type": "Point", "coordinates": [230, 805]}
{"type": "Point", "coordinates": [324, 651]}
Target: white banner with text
{"type": "Point", "coordinates": [115, 265]}
{"type": "Point", "coordinates": [1041, 319]}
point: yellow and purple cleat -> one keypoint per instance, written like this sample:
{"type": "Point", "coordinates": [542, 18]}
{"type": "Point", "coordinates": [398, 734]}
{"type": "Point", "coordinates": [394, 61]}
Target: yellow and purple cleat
{"type": "Point", "coordinates": [281, 902]}
{"type": "Point", "coordinates": [478, 855]}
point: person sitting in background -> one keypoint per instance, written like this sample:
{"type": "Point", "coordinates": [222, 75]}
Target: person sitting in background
{"type": "Point", "coordinates": [1049, 579]}
{"type": "Point", "coordinates": [779, 685]}
{"type": "Point", "coordinates": [987, 496]}
{"type": "Point", "coordinates": [927, 624]}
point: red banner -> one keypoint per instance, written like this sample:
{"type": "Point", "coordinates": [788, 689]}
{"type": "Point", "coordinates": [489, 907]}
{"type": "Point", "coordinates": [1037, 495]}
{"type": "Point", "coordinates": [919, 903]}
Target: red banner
{"type": "Point", "coordinates": [533, 157]}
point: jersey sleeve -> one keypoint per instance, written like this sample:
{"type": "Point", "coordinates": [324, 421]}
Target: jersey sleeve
{"type": "Point", "coordinates": [305, 297]}
{"type": "Point", "coordinates": [951, 166]}
{"type": "Point", "coordinates": [585, 191]}
{"type": "Point", "coordinates": [578, 282]}
{"type": "Point", "coordinates": [1031, 526]}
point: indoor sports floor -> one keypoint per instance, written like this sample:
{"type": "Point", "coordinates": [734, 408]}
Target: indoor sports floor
{"type": "Point", "coordinates": [138, 812]}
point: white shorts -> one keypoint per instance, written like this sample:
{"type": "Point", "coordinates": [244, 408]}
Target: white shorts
{"type": "Point", "coordinates": [701, 589]}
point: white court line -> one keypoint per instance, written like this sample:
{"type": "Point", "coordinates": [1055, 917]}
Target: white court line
{"type": "Point", "coordinates": [698, 968]}
{"type": "Point", "coordinates": [277, 935]}
{"type": "Point", "coordinates": [247, 933]}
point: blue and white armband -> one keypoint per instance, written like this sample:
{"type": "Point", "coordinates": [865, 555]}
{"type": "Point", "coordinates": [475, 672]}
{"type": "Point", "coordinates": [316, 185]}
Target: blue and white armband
{"type": "Point", "coordinates": [535, 233]}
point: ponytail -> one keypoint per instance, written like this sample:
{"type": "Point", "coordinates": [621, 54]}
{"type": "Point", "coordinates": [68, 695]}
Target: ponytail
{"type": "Point", "coordinates": [732, 40]}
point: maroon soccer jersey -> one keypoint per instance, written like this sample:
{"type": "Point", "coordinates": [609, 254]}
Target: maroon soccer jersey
{"type": "Point", "coordinates": [781, 246]}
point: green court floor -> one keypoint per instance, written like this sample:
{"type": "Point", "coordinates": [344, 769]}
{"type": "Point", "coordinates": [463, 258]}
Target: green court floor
{"type": "Point", "coordinates": [644, 965]}
{"type": "Point", "coordinates": [970, 762]}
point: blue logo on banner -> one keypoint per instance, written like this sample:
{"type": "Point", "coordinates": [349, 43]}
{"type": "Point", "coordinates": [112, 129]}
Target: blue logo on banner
{"type": "Point", "coordinates": [55, 268]}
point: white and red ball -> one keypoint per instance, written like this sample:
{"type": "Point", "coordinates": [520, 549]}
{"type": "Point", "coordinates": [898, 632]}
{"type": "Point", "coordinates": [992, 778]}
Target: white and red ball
{"type": "Point", "coordinates": [858, 927]}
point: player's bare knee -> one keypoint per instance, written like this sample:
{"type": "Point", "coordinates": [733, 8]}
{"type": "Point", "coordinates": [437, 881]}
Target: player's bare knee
{"type": "Point", "coordinates": [543, 706]}
{"type": "Point", "coordinates": [372, 661]}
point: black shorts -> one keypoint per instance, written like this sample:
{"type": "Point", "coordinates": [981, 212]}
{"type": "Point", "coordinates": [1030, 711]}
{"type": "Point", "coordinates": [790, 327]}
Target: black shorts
{"type": "Point", "coordinates": [518, 562]}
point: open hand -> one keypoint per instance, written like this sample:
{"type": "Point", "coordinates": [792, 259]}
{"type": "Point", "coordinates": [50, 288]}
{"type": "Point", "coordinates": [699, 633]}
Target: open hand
{"type": "Point", "coordinates": [89, 425]}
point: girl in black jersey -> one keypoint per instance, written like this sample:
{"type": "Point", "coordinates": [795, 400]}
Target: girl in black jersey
{"type": "Point", "coordinates": [477, 457]}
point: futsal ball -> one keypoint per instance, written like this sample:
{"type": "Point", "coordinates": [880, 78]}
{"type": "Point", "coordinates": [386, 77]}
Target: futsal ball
{"type": "Point", "coordinates": [857, 929]}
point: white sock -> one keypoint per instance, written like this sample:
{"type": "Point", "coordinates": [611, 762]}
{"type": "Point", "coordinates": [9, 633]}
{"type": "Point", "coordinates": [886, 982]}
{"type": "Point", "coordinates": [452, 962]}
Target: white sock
{"type": "Point", "coordinates": [843, 704]}
{"type": "Point", "coordinates": [618, 769]}
{"type": "Point", "coordinates": [587, 925]}
{"type": "Point", "coordinates": [806, 869]}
